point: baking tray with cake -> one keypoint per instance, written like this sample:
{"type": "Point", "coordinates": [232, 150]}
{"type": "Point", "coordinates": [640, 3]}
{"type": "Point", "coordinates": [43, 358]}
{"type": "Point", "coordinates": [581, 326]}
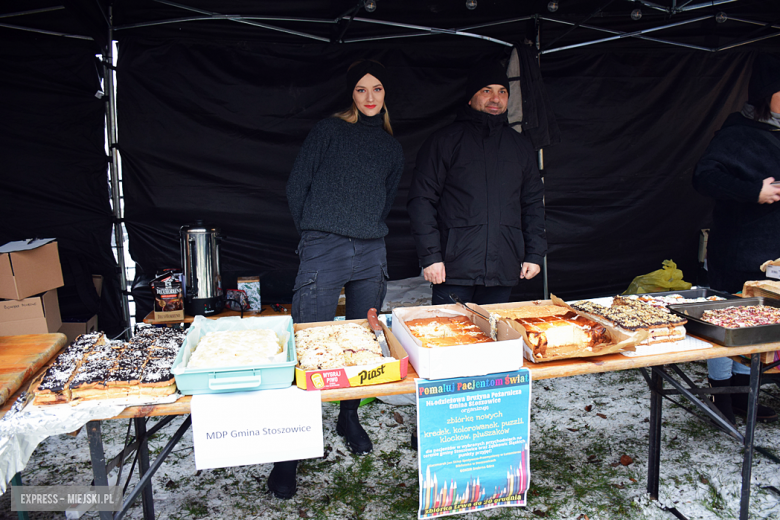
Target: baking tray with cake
{"type": "Point", "coordinates": [699, 293]}
{"type": "Point", "coordinates": [276, 371]}
{"type": "Point", "coordinates": [726, 336]}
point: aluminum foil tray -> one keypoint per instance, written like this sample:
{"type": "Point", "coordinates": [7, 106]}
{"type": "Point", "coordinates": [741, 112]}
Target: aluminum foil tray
{"type": "Point", "coordinates": [722, 335]}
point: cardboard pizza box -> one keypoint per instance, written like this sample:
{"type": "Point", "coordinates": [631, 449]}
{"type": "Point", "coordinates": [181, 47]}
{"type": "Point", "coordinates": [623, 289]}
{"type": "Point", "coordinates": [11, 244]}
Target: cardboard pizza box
{"type": "Point", "coordinates": [478, 359]}
{"type": "Point", "coordinates": [346, 377]}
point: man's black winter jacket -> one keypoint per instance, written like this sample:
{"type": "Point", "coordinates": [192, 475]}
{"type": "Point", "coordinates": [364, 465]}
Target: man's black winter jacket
{"type": "Point", "coordinates": [476, 201]}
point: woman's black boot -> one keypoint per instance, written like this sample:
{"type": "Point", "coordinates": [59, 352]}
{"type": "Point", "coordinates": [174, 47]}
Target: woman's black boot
{"type": "Point", "coordinates": [348, 426]}
{"type": "Point", "coordinates": [723, 401]}
{"type": "Point", "coordinates": [740, 401]}
{"type": "Point", "coordinates": [281, 481]}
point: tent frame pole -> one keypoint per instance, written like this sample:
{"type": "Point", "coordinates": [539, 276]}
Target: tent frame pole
{"type": "Point", "coordinates": [540, 157]}
{"type": "Point", "coordinates": [114, 166]}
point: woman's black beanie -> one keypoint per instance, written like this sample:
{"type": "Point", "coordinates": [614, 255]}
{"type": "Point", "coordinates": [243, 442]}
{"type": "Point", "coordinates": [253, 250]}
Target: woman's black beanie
{"type": "Point", "coordinates": [359, 69]}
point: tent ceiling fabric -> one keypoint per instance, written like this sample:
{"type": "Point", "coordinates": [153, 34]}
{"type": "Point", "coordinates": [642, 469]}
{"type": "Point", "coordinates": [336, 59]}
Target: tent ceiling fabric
{"type": "Point", "coordinates": [574, 23]}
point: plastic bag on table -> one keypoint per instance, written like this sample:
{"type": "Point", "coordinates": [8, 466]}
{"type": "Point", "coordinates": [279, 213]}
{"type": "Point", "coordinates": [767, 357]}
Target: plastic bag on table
{"type": "Point", "coordinates": [667, 279]}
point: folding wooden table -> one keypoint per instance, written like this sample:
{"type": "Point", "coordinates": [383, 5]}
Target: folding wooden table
{"type": "Point", "coordinates": [656, 369]}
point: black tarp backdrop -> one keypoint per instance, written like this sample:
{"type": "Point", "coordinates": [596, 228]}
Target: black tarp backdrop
{"type": "Point", "coordinates": [53, 179]}
{"type": "Point", "coordinates": [210, 131]}
{"type": "Point", "coordinates": [619, 196]}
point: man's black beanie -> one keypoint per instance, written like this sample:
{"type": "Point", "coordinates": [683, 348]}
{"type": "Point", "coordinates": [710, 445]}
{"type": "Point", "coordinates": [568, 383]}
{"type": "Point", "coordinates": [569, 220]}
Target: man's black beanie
{"type": "Point", "coordinates": [483, 75]}
{"type": "Point", "coordinates": [765, 79]}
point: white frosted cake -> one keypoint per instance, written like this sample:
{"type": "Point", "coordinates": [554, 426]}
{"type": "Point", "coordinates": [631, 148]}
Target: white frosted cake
{"type": "Point", "coordinates": [235, 348]}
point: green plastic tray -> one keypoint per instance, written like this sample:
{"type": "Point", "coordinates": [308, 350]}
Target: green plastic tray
{"type": "Point", "coordinates": [192, 381]}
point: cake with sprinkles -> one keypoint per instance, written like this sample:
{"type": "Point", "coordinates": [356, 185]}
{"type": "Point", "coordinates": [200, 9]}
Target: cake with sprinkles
{"type": "Point", "coordinates": [632, 315]}
{"type": "Point", "coordinates": [740, 317]}
{"type": "Point", "coordinates": [94, 368]}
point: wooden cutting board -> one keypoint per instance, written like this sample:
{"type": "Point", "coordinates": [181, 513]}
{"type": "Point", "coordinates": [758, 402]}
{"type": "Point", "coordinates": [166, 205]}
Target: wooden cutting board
{"type": "Point", "coordinates": [21, 357]}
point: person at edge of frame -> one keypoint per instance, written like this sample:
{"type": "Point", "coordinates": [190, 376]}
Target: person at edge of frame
{"type": "Point", "coordinates": [476, 200]}
{"type": "Point", "coordinates": [739, 170]}
{"type": "Point", "coordinates": [340, 192]}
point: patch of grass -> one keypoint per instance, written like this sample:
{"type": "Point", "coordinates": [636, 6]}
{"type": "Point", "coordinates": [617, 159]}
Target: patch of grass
{"type": "Point", "coordinates": [196, 508]}
{"type": "Point", "coordinates": [715, 501]}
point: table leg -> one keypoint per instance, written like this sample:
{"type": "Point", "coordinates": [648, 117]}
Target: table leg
{"type": "Point", "coordinates": [145, 482]}
{"type": "Point", "coordinates": [654, 457]}
{"type": "Point", "coordinates": [98, 460]}
{"type": "Point", "coordinates": [143, 466]}
{"type": "Point", "coordinates": [747, 460]}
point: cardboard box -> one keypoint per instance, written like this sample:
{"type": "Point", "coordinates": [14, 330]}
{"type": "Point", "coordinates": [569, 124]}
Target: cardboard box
{"type": "Point", "coordinates": [347, 377]}
{"type": "Point", "coordinates": [29, 267]}
{"type": "Point", "coordinates": [620, 340]}
{"type": "Point", "coordinates": [74, 329]}
{"type": "Point", "coordinates": [765, 288]}
{"type": "Point", "coordinates": [504, 355]}
{"type": "Point", "coordinates": [37, 315]}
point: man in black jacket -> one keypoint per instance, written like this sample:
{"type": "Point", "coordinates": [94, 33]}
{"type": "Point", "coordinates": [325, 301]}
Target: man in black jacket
{"type": "Point", "coordinates": [476, 200]}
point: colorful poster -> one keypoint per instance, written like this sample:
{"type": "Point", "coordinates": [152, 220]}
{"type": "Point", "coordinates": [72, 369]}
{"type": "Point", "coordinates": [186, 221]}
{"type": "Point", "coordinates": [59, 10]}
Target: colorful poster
{"type": "Point", "coordinates": [473, 442]}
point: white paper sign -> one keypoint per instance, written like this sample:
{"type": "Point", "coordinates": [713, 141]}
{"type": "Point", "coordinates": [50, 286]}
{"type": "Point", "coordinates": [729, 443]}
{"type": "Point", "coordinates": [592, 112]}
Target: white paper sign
{"type": "Point", "coordinates": [773, 271]}
{"type": "Point", "coordinates": [242, 428]}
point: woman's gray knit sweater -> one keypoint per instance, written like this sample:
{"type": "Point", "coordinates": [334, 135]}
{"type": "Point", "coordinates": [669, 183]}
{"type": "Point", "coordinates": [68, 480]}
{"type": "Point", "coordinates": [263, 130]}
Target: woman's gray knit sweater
{"type": "Point", "coordinates": [345, 178]}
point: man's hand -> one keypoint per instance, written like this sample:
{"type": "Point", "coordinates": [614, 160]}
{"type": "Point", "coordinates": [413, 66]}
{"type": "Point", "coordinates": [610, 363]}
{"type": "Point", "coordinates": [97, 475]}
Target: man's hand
{"type": "Point", "coordinates": [434, 273]}
{"type": "Point", "coordinates": [769, 193]}
{"type": "Point", "coordinates": [529, 270]}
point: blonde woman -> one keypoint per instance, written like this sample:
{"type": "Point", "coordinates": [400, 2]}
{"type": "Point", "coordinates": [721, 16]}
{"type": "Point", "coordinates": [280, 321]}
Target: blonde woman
{"type": "Point", "coordinates": [340, 192]}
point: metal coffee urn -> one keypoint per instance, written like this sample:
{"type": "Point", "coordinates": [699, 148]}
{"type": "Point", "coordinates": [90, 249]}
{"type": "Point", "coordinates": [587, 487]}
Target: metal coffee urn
{"type": "Point", "coordinates": [200, 264]}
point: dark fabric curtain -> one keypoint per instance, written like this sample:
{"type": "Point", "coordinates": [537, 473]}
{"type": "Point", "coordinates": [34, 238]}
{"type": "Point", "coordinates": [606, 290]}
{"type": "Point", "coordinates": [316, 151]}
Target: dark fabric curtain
{"type": "Point", "coordinates": [54, 171]}
{"type": "Point", "coordinates": [619, 195]}
{"type": "Point", "coordinates": [210, 131]}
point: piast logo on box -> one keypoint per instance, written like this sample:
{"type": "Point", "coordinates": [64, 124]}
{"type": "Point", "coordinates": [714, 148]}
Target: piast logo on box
{"type": "Point", "coordinates": [368, 375]}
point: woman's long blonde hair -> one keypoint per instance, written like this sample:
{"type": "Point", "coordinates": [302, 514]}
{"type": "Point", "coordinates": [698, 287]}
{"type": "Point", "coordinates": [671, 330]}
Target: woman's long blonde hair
{"type": "Point", "coordinates": [350, 115]}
